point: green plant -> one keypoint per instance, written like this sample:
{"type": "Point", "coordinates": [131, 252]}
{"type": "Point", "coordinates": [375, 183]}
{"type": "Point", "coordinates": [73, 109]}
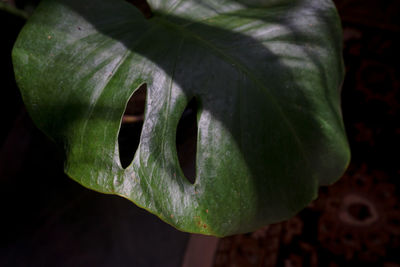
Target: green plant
{"type": "Point", "coordinates": [266, 75]}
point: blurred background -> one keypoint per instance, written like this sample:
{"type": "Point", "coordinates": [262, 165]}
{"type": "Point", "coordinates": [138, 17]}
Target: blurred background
{"type": "Point", "coordinates": [49, 220]}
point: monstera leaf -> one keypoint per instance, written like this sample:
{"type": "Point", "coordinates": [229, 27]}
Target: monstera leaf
{"type": "Point", "coordinates": [265, 74]}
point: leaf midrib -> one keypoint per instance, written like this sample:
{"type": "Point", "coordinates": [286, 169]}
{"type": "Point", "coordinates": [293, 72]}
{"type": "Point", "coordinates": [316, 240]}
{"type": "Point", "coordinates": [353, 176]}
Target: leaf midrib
{"type": "Point", "coordinates": [236, 63]}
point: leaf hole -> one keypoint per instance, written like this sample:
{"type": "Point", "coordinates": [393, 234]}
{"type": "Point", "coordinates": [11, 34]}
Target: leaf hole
{"type": "Point", "coordinates": [143, 6]}
{"type": "Point", "coordinates": [186, 140]}
{"type": "Point", "coordinates": [131, 126]}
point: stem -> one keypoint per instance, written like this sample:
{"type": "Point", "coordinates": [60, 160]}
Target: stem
{"type": "Point", "coordinates": [14, 11]}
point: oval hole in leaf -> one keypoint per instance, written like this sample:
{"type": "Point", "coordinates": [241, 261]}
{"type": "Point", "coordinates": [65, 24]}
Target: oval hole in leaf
{"type": "Point", "coordinates": [131, 126]}
{"type": "Point", "coordinates": [143, 6]}
{"type": "Point", "coordinates": [186, 141]}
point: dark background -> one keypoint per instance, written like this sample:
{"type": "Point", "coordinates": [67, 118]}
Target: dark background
{"type": "Point", "coordinates": [49, 220]}
{"type": "Point", "coordinates": [355, 222]}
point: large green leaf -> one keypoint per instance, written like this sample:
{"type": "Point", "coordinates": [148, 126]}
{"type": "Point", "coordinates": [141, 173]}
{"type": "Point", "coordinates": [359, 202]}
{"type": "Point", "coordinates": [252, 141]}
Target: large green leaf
{"type": "Point", "coordinates": [267, 77]}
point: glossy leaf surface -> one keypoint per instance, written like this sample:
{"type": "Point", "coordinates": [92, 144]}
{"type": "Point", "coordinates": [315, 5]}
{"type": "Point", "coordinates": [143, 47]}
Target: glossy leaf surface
{"type": "Point", "coordinates": [265, 74]}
